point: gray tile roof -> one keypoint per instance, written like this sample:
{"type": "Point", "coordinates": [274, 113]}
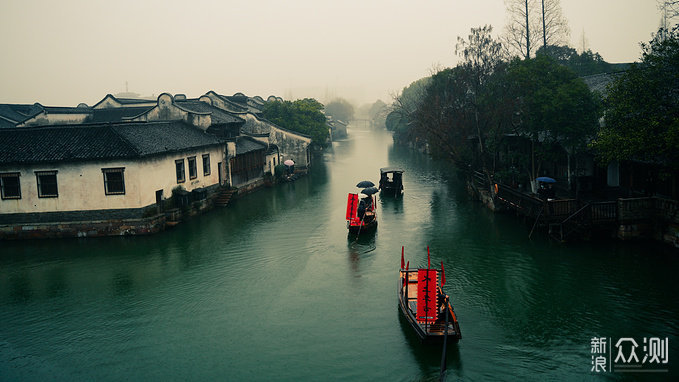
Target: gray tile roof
{"type": "Point", "coordinates": [237, 107]}
{"type": "Point", "coordinates": [219, 116]}
{"type": "Point", "coordinates": [98, 141]}
{"type": "Point", "coordinates": [247, 144]}
{"type": "Point", "coordinates": [19, 112]}
{"type": "Point", "coordinates": [159, 137]}
{"type": "Point", "coordinates": [131, 101]}
{"type": "Point", "coordinates": [600, 82]}
{"type": "Point", "coordinates": [6, 123]}
{"type": "Point", "coordinates": [67, 110]}
{"type": "Point", "coordinates": [125, 101]}
{"type": "Point", "coordinates": [117, 114]}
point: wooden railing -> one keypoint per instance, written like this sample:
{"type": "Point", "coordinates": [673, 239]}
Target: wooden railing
{"type": "Point", "coordinates": [480, 179]}
{"type": "Point", "coordinates": [565, 216]}
{"type": "Point", "coordinates": [667, 210]}
{"type": "Point", "coordinates": [561, 209]}
{"type": "Point", "coordinates": [604, 212]}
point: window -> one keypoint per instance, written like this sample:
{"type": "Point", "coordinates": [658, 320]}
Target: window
{"type": "Point", "coordinates": [179, 164]}
{"type": "Point", "coordinates": [114, 181]}
{"type": "Point", "coordinates": [47, 184]}
{"type": "Point", "coordinates": [206, 164]}
{"type": "Point", "coordinates": [193, 172]}
{"type": "Point", "coordinates": [9, 186]}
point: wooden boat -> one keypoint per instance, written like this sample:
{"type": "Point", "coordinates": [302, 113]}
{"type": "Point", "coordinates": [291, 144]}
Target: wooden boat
{"type": "Point", "coordinates": [391, 180]}
{"type": "Point", "coordinates": [424, 304]}
{"type": "Point", "coordinates": [361, 216]}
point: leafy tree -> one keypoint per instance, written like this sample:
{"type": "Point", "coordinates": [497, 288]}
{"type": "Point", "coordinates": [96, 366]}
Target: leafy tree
{"type": "Point", "coordinates": [340, 109]}
{"type": "Point", "coordinates": [377, 113]}
{"type": "Point", "coordinates": [583, 64]}
{"type": "Point", "coordinates": [642, 107]}
{"type": "Point", "coordinates": [400, 120]}
{"type": "Point", "coordinates": [303, 116]}
{"type": "Point", "coordinates": [555, 107]}
{"type": "Point", "coordinates": [465, 111]}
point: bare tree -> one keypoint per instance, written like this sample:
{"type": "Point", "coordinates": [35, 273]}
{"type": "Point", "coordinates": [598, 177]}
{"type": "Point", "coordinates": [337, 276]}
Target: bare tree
{"type": "Point", "coordinates": [519, 36]}
{"type": "Point", "coordinates": [555, 30]}
{"type": "Point", "coordinates": [670, 9]}
{"type": "Point", "coordinates": [530, 21]}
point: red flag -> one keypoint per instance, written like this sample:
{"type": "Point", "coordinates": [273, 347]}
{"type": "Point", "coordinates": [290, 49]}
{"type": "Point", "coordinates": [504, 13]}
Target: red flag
{"type": "Point", "coordinates": [428, 260]}
{"type": "Point", "coordinates": [443, 274]}
{"type": "Point", "coordinates": [403, 263]}
{"type": "Point", "coordinates": [352, 206]}
{"type": "Point", "coordinates": [426, 294]}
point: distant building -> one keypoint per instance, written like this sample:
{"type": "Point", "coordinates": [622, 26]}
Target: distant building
{"type": "Point", "coordinates": [13, 114]}
{"type": "Point", "coordinates": [21, 115]}
{"type": "Point", "coordinates": [291, 144]}
{"type": "Point", "coordinates": [338, 129]}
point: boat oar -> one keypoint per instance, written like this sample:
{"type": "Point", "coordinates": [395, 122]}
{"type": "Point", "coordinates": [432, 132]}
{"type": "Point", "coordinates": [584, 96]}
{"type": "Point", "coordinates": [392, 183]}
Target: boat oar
{"type": "Point", "coordinates": [359, 228]}
{"type": "Point", "coordinates": [445, 344]}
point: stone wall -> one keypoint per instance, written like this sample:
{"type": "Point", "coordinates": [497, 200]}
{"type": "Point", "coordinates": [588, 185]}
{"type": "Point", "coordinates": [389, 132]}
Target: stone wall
{"type": "Point", "coordinates": [110, 227]}
{"type": "Point", "coordinates": [120, 222]}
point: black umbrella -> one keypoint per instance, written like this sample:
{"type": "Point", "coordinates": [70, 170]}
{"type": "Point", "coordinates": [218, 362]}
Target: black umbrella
{"type": "Point", "coordinates": [370, 191]}
{"type": "Point", "coordinates": [365, 183]}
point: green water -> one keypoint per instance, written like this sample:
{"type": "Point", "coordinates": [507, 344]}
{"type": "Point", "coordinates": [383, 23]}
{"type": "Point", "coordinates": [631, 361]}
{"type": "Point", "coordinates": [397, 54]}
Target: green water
{"type": "Point", "coordinates": [272, 289]}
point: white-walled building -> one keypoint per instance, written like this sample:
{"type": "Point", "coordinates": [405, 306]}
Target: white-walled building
{"type": "Point", "coordinates": [101, 172]}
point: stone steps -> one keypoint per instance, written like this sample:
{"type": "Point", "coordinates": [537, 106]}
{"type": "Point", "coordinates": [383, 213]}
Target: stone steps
{"type": "Point", "coordinates": [224, 198]}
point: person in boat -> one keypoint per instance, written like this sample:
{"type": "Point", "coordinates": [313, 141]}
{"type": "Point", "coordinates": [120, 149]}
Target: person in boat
{"type": "Point", "coordinates": [384, 179]}
{"type": "Point", "coordinates": [542, 191]}
{"type": "Point", "coordinates": [368, 201]}
{"type": "Point", "coordinates": [550, 193]}
{"type": "Point", "coordinates": [361, 208]}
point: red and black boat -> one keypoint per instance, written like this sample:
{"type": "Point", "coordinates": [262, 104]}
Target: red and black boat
{"type": "Point", "coordinates": [361, 216]}
{"type": "Point", "coordinates": [424, 304]}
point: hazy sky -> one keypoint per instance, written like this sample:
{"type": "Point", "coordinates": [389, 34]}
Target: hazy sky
{"type": "Point", "coordinates": [61, 53]}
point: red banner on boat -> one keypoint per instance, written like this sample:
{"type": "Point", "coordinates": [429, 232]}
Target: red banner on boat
{"type": "Point", "coordinates": [426, 294]}
{"type": "Point", "coordinates": [352, 206]}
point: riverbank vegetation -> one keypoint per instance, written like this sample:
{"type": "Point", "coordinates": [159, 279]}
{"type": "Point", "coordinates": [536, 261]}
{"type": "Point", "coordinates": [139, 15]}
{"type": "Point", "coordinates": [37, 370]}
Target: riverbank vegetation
{"type": "Point", "coordinates": [303, 115]}
{"type": "Point", "coordinates": [642, 108]}
{"type": "Point", "coordinates": [340, 110]}
{"type": "Point", "coordinates": [516, 117]}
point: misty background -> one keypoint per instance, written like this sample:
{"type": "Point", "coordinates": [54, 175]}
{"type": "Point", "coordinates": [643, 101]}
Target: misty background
{"type": "Point", "coordinates": [67, 52]}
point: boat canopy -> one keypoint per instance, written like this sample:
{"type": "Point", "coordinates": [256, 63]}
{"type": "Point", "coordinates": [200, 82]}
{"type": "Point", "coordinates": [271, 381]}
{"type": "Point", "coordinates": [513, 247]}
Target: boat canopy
{"type": "Point", "coordinates": [391, 169]}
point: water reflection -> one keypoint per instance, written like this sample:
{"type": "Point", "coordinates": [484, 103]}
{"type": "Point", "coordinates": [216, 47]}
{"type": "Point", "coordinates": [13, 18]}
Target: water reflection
{"type": "Point", "coordinates": [184, 304]}
{"type": "Point", "coordinates": [360, 248]}
{"type": "Point", "coordinates": [391, 204]}
{"type": "Point", "coordinates": [428, 356]}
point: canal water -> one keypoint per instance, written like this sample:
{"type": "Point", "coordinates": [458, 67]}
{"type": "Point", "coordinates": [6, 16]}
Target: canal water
{"type": "Point", "coordinates": [272, 289]}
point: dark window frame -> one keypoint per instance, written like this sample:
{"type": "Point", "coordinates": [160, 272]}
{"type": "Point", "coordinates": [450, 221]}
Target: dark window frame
{"type": "Point", "coordinates": [3, 185]}
{"type": "Point", "coordinates": [193, 168]}
{"type": "Point", "coordinates": [180, 171]}
{"type": "Point", "coordinates": [41, 177]}
{"type": "Point", "coordinates": [206, 169]}
{"type": "Point", "coordinates": [107, 181]}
